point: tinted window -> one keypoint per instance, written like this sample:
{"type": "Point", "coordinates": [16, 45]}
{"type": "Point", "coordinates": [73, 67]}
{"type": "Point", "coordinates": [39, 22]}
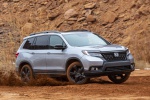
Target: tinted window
{"type": "Point", "coordinates": [29, 44]}
{"type": "Point", "coordinates": [55, 40]}
{"type": "Point", "coordinates": [42, 42]}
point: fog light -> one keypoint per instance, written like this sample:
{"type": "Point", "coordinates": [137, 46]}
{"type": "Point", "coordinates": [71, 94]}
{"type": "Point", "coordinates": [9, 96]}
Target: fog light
{"type": "Point", "coordinates": [94, 68]}
{"type": "Point", "coordinates": [133, 66]}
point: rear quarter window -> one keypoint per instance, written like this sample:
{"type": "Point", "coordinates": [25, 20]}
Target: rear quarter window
{"type": "Point", "coordinates": [29, 44]}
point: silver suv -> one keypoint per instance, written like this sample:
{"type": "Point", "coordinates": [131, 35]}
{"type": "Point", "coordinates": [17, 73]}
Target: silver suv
{"type": "Point", "coordinates": [78, 54]}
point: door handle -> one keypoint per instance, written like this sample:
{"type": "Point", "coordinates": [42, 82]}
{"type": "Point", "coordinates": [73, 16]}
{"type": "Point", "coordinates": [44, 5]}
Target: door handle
{"type": "Point", "coordinates": [48, 53]}
{"type": "Point", "coordinates": [32, 53]}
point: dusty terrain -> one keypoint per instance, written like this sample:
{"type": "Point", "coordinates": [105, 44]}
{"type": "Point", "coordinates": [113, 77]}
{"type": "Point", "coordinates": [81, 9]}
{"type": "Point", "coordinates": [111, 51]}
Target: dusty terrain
{"type": "Point", "coordinates": [137, 88]}
{"type": "Point", "coordinates": [123, 22]}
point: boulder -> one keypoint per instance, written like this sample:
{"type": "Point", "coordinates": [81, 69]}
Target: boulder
{"type": "Point", "coordinates": [89, 5]}
{"type": "Point", "coordinates": [90, 18]}
{"type": "Point", "coordinates": [70, 13]}
{"type": "Point", "coordinates": [27, 28]}
{"type": "Point", "coordinates": [52, 16]}
{"type": "Point", "coordinates": [109, 17]}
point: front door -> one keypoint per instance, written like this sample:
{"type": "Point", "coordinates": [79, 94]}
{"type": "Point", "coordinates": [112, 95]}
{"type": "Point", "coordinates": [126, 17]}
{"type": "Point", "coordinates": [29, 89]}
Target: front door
{"type": "Point", "coordinates": [55, 58]}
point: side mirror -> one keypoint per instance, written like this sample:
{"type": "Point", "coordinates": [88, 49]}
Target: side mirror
{"type": "Point", "coordinates": [59, 47]}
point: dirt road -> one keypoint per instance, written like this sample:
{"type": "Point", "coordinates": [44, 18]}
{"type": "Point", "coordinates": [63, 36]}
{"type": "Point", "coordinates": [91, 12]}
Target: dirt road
{"type": "Point", "coordinates": [137, 87]}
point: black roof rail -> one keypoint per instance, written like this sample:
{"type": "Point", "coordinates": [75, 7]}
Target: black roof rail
{"type": "Point", "coordinates": [44, 32]}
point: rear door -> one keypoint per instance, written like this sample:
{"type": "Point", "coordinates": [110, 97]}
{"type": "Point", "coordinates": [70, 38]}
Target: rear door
{"type": "Point", "coordinates": [41, 45]}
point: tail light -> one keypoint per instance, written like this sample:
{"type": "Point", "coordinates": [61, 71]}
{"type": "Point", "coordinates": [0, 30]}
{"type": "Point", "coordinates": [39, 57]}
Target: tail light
{"type": "Point", "coordinates": [17, 55]}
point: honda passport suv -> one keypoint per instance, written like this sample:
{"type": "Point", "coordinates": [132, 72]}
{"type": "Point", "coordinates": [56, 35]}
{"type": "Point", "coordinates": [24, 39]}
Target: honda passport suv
{"type": "Point", "coordinates": [79, 55]}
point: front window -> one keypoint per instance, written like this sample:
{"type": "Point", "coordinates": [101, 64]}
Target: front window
{"type": "Point", "coordinates": [84, 39]}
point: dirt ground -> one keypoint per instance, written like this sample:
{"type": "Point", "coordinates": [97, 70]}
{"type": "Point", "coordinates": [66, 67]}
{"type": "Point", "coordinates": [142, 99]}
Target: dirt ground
{"type": "Point", "coordinates": [137, 87]}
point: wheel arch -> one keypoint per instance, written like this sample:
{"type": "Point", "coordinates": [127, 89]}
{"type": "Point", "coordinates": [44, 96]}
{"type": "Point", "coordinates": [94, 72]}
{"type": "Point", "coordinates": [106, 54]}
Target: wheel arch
{"type": "Point", "coordinates": [22, 64]}
{"type": "Point", "coordinates": [71, 60]}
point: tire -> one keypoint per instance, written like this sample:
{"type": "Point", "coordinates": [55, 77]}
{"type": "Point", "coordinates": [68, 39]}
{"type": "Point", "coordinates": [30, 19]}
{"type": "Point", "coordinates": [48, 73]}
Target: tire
{"type": "Point", "coordinates": [119, 78]}
{"type": "Point", "coordinates": [75, 73]}
{"type": "Point", "coordinates": [26, 73]}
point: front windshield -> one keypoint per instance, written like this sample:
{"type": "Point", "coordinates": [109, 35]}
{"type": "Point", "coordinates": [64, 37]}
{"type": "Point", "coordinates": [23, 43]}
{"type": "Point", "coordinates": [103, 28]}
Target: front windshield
{"type": "Point", "coordinates": [84, 39]}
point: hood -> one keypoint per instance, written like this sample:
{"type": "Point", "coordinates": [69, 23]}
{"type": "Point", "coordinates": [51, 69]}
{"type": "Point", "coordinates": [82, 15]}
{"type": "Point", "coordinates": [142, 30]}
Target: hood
{"type": "Point", "coordinates": [110, 48]}
{"type": "Point", "coordinates": [105, 48]}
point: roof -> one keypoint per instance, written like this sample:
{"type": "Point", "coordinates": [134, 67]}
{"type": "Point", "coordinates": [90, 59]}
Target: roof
{"type": "Point", "coordinates": [54, 32]}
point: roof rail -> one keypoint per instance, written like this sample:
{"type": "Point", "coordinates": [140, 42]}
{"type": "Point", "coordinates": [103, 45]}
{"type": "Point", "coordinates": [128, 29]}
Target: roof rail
{"type": "Point", "coordinates": [44, 32]}
{"type": "Point", "coordinates": [77, 30]}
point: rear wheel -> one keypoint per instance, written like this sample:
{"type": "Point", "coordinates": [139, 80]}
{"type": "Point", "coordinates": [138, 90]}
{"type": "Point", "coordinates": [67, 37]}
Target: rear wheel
{"type": "Point", "coordinates": [119, 78]}
{"type": "Point", "coordinates": [26, 73]}
{"type": "Point", "coordinates": [75, 73]}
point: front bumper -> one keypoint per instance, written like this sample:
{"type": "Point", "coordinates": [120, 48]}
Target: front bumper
{"type": "Point", "coordinates": [108, 68]}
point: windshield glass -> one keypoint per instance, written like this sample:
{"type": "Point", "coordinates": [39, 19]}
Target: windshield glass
{"type": "Point", "coordinates": [84, 39]}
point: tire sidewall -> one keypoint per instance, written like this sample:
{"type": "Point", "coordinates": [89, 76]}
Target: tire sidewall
{"type": "Point", "coordinates": [127, 75]}
{"type": "Point", "coordinates": [30, 69]}
{"type": "Point", "coordinates": [68, 74]}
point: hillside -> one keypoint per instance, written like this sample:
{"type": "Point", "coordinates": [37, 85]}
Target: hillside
{"type": "Point", "coordinates": [125, 22]}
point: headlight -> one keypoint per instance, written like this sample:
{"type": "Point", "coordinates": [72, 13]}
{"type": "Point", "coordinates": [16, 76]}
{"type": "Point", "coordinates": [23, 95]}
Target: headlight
{"type": "Point", "coordinates": [128, 52]}
{"type": "Point", "coordinates": [94, 54]}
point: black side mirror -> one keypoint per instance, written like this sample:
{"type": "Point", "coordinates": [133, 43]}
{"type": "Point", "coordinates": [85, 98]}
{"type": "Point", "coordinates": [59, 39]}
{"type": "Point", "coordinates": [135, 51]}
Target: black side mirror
{"type": "Point", "coordinates": [59, 47]}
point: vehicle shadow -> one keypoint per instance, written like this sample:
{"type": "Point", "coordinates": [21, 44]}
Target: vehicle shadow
{"type": "Point", "coordinates": [100, 81]}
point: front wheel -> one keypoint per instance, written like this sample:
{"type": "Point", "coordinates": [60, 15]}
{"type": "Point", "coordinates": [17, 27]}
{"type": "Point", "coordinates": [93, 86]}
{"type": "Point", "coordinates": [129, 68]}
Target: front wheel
{"type": "Point", "coordinates": [119, 78]}
{"type": "Point", "coordinates": [75, 73]}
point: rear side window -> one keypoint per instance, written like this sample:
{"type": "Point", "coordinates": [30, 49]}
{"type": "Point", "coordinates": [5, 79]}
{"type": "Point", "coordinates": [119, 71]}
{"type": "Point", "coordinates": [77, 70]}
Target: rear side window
{"type": "Point", "coordinates": [29, 44]}
{"type": "Point", "coordinates": [42, 42]}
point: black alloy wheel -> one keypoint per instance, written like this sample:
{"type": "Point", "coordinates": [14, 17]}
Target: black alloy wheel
{"type": "Point", "coordinates": [119, 78]}
{"type": "Point", "coordinates": [26, 73]}
{"type": "Point", "coordinates": [75, 73]}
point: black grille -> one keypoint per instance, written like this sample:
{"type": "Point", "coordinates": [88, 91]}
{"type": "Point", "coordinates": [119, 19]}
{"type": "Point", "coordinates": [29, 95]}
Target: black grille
{"type": "Point", "coordinates": [118, 68]}
{"type": "Point", "coordinates": [111, 56]}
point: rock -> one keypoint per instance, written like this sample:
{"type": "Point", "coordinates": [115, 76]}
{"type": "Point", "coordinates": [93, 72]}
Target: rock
{"type": "Point", "coordinates": [96, 12]}
{"type": "Point", "coordinates": [89, 5]}
{"type": "Point", "coordinates": [66, 1]}
{"type": "Point", "coordinates": [5, 5]}
{"type": "Point", "coordinates": [90, 18]}
{"type": "Point", "coordinates": [71, 22]}
{"type": "Point", "coordinates": [81, 19]}
{"type": "Point", "coordinates": [52, 16]}
{"type": "Point", "coordinates": [59, 24]}
{"type": "Point", "coordinates": [1, 23]}
{"type": "Point", "coordinates": [1, 31]}
{"type": "Point", "coordinates": [84, 11]}
{"type": "Point", "coordinates": [88, 12]}
{"type": "Point", "coordinates": [144, 10]}
{"type": "Point", "coordinates": [70, 13]}
{"type": "Point", "coordinates": [75, 3]}
{"type": "Point", "coordinates": [72, 19]}
{"type": "Point", "coordinates": [85, 24]}
{"type": "Point", "coordinates": [109, 17]}
{"type": "Point", "coordinates": [105, 1]}
{"type": "Point", "coordinates": [27, 28]}
{"type": "Point", "coordinates": [16, 0]}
